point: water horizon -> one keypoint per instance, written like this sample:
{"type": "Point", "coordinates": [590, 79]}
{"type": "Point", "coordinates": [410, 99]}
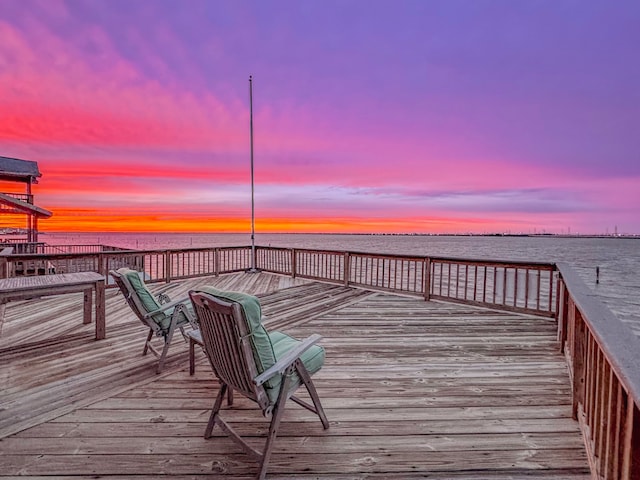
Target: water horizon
{"type": "Point", "coordinates": [389, 234]}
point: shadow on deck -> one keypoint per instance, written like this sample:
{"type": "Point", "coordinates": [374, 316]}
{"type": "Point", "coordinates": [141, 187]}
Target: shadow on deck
{"type": "Point", "coordinates": [412, 389]}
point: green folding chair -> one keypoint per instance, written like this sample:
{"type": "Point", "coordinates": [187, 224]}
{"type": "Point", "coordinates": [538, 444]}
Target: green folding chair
{"type": "Point", "coordinates": [159, 314]}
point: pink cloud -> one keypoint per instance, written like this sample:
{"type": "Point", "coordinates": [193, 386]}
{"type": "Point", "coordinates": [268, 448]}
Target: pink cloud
{"type": "Point", "coordinates": [74, 102]}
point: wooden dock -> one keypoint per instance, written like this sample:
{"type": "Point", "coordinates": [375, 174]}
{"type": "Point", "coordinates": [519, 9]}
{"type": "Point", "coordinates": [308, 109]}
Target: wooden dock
{"type": "Point", "coordinates": [412, 389]}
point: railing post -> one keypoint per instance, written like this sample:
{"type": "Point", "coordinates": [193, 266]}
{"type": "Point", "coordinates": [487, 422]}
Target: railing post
{"type": "Point", "coordinates": [101, 264]}
{"type": "Point", "coordinates": [347, 268]}
{"type": "Point", "coordinates": [630, 440]}
{"type": "Point", "coordinates": [294, 263]}
{"type": "Point", "coordinates": [254, 256]}
{"type": "Point", "coordinates": [562, 314]}
{"type": "Point", "coordinates": [634, 460]}
{"type": "Point", "coordinates": [426, 275]}
{"type": "Point", "coordinates": [167, 266]}
{"type": "Point", "coordinates": [551, 296]}
{"type": "Point", "coordinates": [578, 352]}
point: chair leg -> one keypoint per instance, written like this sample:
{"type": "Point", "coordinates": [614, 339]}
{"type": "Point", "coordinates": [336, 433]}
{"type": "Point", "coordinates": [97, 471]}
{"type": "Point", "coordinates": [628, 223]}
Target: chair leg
{"type": "Point", "coordinates": [163, 356]}
{"type": "Point", "coordinates": [311, 388]}
{"type": "Point", "coordinates": [165, 350]}
{"type": "Point", "coordinates": [214, 412]}
{"type": "Point", "coordinates": [192, 356]}
{"type": "Point", "coordinates": [276, 416]}
{"type": "Point", "coordinates": [146, 344]}
{"type": "Point", "coordinates": [167, 343]}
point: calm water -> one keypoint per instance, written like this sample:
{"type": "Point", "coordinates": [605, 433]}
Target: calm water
{"type": "Point", "coordinates": [617, 258]}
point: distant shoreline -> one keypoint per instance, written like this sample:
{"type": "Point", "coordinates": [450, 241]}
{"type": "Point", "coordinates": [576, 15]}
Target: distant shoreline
{"type": "Point", "coordinates": [529, 235]}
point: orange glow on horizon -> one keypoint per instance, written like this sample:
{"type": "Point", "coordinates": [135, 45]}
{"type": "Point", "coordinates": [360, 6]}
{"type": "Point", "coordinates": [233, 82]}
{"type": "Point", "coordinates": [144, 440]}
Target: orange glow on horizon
{"type": "Point", "coordinates": [95, 220]}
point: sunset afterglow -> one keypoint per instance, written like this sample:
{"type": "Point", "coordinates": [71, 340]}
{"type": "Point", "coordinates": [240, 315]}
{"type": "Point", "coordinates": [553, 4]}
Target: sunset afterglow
{"type": "Point", "coordinates": [374, 116]}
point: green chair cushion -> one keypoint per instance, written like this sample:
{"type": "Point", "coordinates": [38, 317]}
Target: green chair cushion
{"type": "Point", "coordinates": [162, 319]}
{"type": "Point", "coordinates": [145, 296]}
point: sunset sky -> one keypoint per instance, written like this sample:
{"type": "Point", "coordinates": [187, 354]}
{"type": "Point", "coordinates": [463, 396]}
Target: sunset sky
{"type": "Point", "coordinates": [400, 116]}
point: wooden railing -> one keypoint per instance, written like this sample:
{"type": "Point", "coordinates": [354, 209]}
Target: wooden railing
{"type": "Point", "coordinates": [41, 247]}
{"type": "Point", "coordinates": [167, 265]}
{"type": "Point", "coordinates": [157, 265]}
{"type": "Point", "coordinates": [524, 287]}
{"type": "Point", "coordinates": [515, 286]}
{"type": "Point", "coordinates": [24, 247]}
{"type": "Point", "coordinates": [52, 249]}
{"type": "Point", "coordinates": [25, 197]}
{"type": "Point", "coordinates": [603, 355]}
{"type": "Point", "coordinates": [404, 274]}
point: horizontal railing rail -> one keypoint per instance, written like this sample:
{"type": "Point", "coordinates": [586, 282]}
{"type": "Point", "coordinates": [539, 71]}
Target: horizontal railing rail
{"type": "Point", "coordinates": [603, 355]}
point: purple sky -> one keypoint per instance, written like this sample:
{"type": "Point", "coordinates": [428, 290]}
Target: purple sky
{"type": "Point", "coordinates": [370, 116]}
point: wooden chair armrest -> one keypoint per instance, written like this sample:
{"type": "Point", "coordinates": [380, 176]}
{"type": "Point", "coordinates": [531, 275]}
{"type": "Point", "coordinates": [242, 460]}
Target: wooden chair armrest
{"type": "Point", "coordinates": [167, 306]}
{"type": "Point", "coordinates": [285, 362]}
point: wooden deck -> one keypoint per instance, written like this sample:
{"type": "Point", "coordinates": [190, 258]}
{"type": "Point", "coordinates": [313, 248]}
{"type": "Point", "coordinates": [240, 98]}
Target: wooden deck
{"type": "Point", "coordinates": [412, 389]}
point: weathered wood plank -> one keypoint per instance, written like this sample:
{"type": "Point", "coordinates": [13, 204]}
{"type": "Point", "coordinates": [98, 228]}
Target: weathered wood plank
{"type": "Point", "coordinates": [115, 428]}
{"type": "Point", "coordinates": [309, 443]}
{"type": "Point", "coordinates": [483, 475]}
{"type": "Point", "coordinates": [474, 462]}
{"type": "Point", "coordinates": [337, 414]}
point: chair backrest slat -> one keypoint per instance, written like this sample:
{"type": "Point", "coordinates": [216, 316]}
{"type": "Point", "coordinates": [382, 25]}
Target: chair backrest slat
{"type": "Point", "coordinates": [230, 360]}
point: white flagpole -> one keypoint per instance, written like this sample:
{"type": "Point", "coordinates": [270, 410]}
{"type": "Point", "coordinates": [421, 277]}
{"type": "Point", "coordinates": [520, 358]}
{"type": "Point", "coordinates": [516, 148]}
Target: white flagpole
{"type": "Point", "coordinates": [253, 241]}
